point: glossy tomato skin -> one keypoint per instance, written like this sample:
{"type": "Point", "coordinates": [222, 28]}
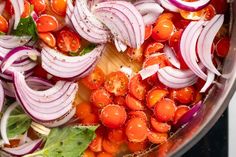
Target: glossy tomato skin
{"type": "Point", "coordinates": [46, 23]}
{"type": "Point", "coordinates": [83, 110]}
{"type": "Point", "coordinates": [27, 10]}
{"type": "Point", "coordinates": [3, 25]}
{"type": "Point", "coordinates": [138, 114]}
{"type": "Point", "coordinates": [137, 87]}
{"type": "Point", "coordinates": [157, 138]}
{"type": "Point", "coordinates": [181, 110]}
{"type": "Point", "coordinates": [91, 119]}
{"type": "Point", "coordinates": [160, 126]}
{"type": "Point", "coordinates": [113, 116]}
{"type": "Point", "coordinates": [133, 103]}
{"type": "Point", "coordinates": [59, 7]}
{"type": "Point", "coordinates": [95, 79]}
{"type": "Point", "coordinates": [96, 144]}
{"type": "Point", "coordinates": [101, 98]}
{"type": "Point", "coordinates": [39, 6]}
{"type": "Point", "coordinates": [137, 146]}
{"type": "Point", "coordinates": [222, 47]}
{"type": "Point", "coordinates": [48, 38]}
{"type": "Point", "coordinates": [148, 31]}
{"type": "Point", "coordinates": [116, 135]}
{"type": "Point", "coordinates": [9, 8]}
{"type": "Point", "coordinates": [183, 95]}
{"type": "Point", "coordinates": [154, 96]}
{"type": "Point", "coordinates": [110, 147]}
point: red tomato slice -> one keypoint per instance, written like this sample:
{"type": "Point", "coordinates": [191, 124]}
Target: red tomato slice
{"type": "Point", "coordinates": [183, 95]}
{"type": "Point", "coordinates": [174, 40]}
{"type": "Point", "coordinates": [95, 79]}
{"type": "Point", "coordinates": [96, 145]}
{"type": "Point", "coordinates": [181, 110]}
{"type": "Point", "coordinates": [148, 31]}
{"type": "Point", "coordinates": [104, 154]}
{"type": "Point", "coordinates": [133, 103]}
{"type": "Point", "coordinates": [138, 146]}
{"type": "Point", "coordinates": [156, 59]}
{"type": "Point", "coordinates": [90, 119]}
{"type": "Point", "coordinates": [154, 96]}
{"type": "Point", "coordinates": [137, 87]}
{"type": "Point", "coordinates": [101, 98]}
{"type": "Point", "coordinates": [157, 138]}
{"type": "Point", "coordinates": [39, 6]}
{"type": "Point", "coordinates": [138, 114]}
{"type": "Point", "coordinates": [116, 135]}
{"type": "Point", "coordinates": [117, 83]}
{"type": "Point", "coordinates": [27, 10]}
{"type": "Point", "coordinates": [46, 23]}
{"type": "Point", "coordinates": [59, 7]}
{"type": "Point", "coordinates": [160, 126]}
{"type": "Point", "coordinates": [83, 110]}
{"type": "Point", "coordinates": [3, 25]}
{"type": "Point", "coordinates": [154, 47]}
{"type": "Point", "coordinates": [88, 153]}
{"type": "Point", "coordinates": [110, 147]}
{"type": "Point", "coordinates": [48, 38]}
{"type": "Point", "coordinates": [135, 54]}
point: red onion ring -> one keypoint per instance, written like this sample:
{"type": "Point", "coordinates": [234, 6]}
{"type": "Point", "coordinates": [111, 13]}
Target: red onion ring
{"type": "Point", "coordinates": [38, 83]}
{"type": "Point", "coordinates": [190, 6]}
{"type": "Point", "coordinates": [170, 54]}
{"type": "Point", "coordinates": [10, 42]}
{"type": "Point", "coordinates": [149, 71]}
{"type": "Point", "coordinates": [120, 46]}
{"type": "Point", "coordinates": [18, 7]}
{"type": "Point", "coordinates": [1, 95]}
{"type": "Point", "coordinates": [209, 81]}
{"type": "Point", "coordinates": [8, 89]}
{"type": "Point", "coordinates": [169, 6]}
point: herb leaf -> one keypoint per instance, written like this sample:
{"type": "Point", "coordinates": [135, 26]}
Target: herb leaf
{"type": "Point", "coordinates": [27, 27]}
{"type": "Point", "coordinates": [69, 141]}
{"type": "Point", "coordinates": [87, 49]}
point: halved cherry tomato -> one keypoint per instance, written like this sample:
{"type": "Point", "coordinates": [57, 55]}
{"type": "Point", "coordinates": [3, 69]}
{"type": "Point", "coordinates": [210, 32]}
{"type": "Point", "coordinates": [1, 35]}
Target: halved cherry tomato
{"type": "Point", "coordinates": [96, 144]}
{"type": "Point", "coordinates": [135, 54]}
{"type": "Point", "coordinates": [48, 38]}
{"type": "Point", "coordinates": [46, 23]}
{"type": "Point", "coordinates": [160, 59]}
{"type": "Point", "coordinates": [138, 114]}
{"type": "Point", "coordinates": [3, 24]}
{"type": "Point", "coordinates": [83, 110]}
{"type": "Point", "coordinates": [27, 10]}
{"type": "Point", "coordinates": [101, 98]}
{"type": "Point", "coordinates": [90, 119]}
{"type": "Point", "coordinates": [181, 110]}
{"type": "Point", "coordinates": [148, 31]}
{"type": "Point", "coordinates": [174, 40]}
{"type": "Point", "coordinates": [137, 146]}
{"type": "Point", "coordinates": [160, 126]}
{"type": "Point", "coordinates": [119, 100]}
{"type": "Point", "coordinates": [116, 135]}
{"type": "Point", "coordinates": [133, 103]}
{"type": "Point", "coordinates": [195, 15]}
{"type": "Point", "coordinates": [183, 95]}
{"type": "Point", "coordinates": [152, 48]}
{"type": "Point", "coordinates": [163, 30]}
{"type": "Point", "coordinates": [155, 95]}
{"type": "Point", "coordinates": [39, 6]}
{"type": "Point", "coordinates": [136, 130]}
{"type": "Point", "coordinates": [117, 83]}
{"type": "Point", "coordinates": [222, 47]}
{"type": "Point", "coordinates": [137, 87]}
{"type": "Point", "coordinates": [9, 8]}
{"type": "Point", "coordinates": [88, 153]}
{"type": "Point", "coordinates": [157, 138]}
{"type": "Point", "coordinates": [209, 12]}
{"type": "Point", "coordinates": [95, 79]}
{"type": "Point", "coordinates": [109, 146]}
{"type": "Point", "coordinates": [113, 116]}
{"type": "Point", "coordinates": [59, 7]}
{"type": "Point", "coordinates": [13, 143]}
{"type": "Point", "coordinates": [165, 110]}
{"type": "Point", "coordinates": [68, 41]}
{"type": "Point", "coordinates": [104, 154]}
{"type": "Point", "coordinates": [165, 16]}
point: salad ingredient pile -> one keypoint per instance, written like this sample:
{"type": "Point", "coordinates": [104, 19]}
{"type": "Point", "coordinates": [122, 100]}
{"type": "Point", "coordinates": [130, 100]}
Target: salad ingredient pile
{"type": "Point", "coordinates": [104, 77]}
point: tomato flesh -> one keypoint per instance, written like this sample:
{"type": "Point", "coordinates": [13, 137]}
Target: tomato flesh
{"type": "Point", "coordinates": [133, 103]}
{"type": "Point", "coordinates": [39, 6]}
{"type": "Point", "coordinates": [101, 98]}
{"type": "Point", "coordinates": [83, 110]}
{"type": "Point", "coordinates": [137, 87]}
{"type": "Point", "coordinates": [3, 25]}
{"type": "Point", "coordinates": [160, 126]}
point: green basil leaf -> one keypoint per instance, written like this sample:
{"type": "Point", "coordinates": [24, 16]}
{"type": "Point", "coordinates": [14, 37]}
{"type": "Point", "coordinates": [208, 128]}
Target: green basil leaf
{"type": "Point", "coordinates": [87, 49]}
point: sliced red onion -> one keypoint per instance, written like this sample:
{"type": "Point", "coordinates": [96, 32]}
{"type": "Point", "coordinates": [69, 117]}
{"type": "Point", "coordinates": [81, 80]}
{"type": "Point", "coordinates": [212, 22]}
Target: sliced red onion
{"type": "Point", "coordinates": [176, 78]}
{"type": "Point", "coordinates": [205, 42]}
{"type": "Point", "coordinates": [120, 46]}
{"type": "Point", "coordinates": [209, 81]}
{"type": "Point", "coordinates": [188, 116]}
{"type": "Point", "coordinates": [48, 105]}
{"type": "Point", "coordinates": [188, 47]}
{"type": "Point", "coordinates": [61, 121]}
{"type": "Point", "coordinates": [169, 6]}
{"type": "Point", "coordinates": [150, 10]}
{"type": "Point", "coordinates": [10, 24]}
{"type": "Point", "coordinates": [34, 16]}
{"type": "Point", "coordinates": [18, 7]}
{"type": "Point", "coordinates": [68, 67]}
{"type": "Point", "coordinates": [1, 96]}
{"type": "Point", "coordinates": [2, 6]}
{"type": "Point", "coordinates": [123, 20]}
{"type": "Point", "coordinates": [17, 53]}
{"type": "Point", "coordinates": [24, 149]}
{"type": "Point", "coordinates": [87, 25]}
{"type": "Point", "coordinates": [137, 2]}
{"type": "Point", "coordinates": [149, 71]}
{"type": "Point", "coordinates": [4, 120]}
{"type": "Point", "coordinates": [190, 6]}
{"type": "Point", "coordinates": [24, 138]}
{"type": "Point", "coordinates": [8, 89]}
{"type": "Point", "coordinates": [40, 128]}
{"type": "Point", "coordinates": [38, 83]}
{"type": "Point", "coordinates": [69, 12]}
{"type": "Point", "coordinates": [170, 54]}
{"type": "Point", "coordinates": [128, 71]}
{"type": "Point", "coordinates": [10, 42]}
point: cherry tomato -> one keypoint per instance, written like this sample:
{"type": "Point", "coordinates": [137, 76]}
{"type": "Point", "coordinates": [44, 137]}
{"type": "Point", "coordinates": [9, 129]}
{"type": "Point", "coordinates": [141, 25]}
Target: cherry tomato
{"type": "Point", "coordinates": [136, 130]}
{"type": "Point", "coordinates": [119, 100]}
{"type": "Point", "coordinates": [160, 126]}
{"type": "Point", "coordinates": [165, 110]}
{"type": "Point", "coordinates": [46, 23]}
{"type": "Point", "coordinates": [138, 114]}
{"type": "Point", "coordinates": [27, 10]}
{"type": "Point", "coordinates": [163, 30]}
{"type": "Point", "coordinates": [138, 146]}
{"type": "Point", "coordinates": [48, 38]}
{"type": "Point", "coordinates": [148, 31]}
{"type": "Point", "coordinates": [135, 54]}
{"type": "Point", "coordinates": [3, 25]}
{"type": "Point", "coordinates": [116, 135]}
{"type": "Point", "coordinates": [174, 40]}
{"type": "Point", "coordinates": [117, 83]}
{"type": "Point", "coordinates": [90, 119]}
{"type": "Point", "coordinates": [209, 12]}
{"type": "Point", "coordinates": [59, 7]}
{"type": "Point", "coordinates": [39, 6]}
{"type": "Point", "coordinates": [9, 8]}
{"type": "Point", "coordinates": [183, 95]}
{"type": "Point", "coordinates": [104, 154]}
{"type": "Point", "coordinates": [181, 110]}
{"type": "Point", "coordinates": [165, 16]}
{"type": "Point", "coordinates": [155, 95]}
{"type": "Point", "coordinates": [137, 87]}
{"type": "Point", "coordinates": [68, 41]}
{"type": "Point", "coordinates": [113, 116]}
{"type": "Point", "coordinates": [222, 47]}
{"type": "Point", "coordinates": [133, 103]}
{"type": "Point", "coordinates": [110, 147]}
{"type": "Point", "coordinates": [96, 144]}
{"type": "Point", "coordinates": [13, 143]}
{"type": "Point", "coordinates": [156, 59]}
{"type": "Point", "coordinates": [195, 15]}
{"type": "Point", "coordinates": [83, 110]}
{"type": "Point", "coordinates": [157, 138]}
{"type": "Point", "coordinates": [154, 47]}
{"type": "Point", "coordinates": [101, 98]}
{"type": "Point", "coordinates": [95, 79]}
{"type": "Point", "coordinates": [88, 153]}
